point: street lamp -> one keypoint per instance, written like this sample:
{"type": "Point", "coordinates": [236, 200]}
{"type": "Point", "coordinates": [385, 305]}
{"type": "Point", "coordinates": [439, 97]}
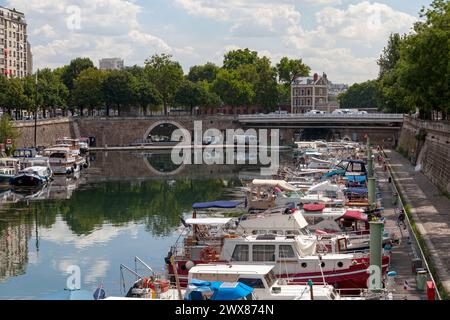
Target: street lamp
{"type": "Point", "coordinates": [36, 110]}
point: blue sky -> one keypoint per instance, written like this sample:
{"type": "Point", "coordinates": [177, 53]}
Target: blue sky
{"type": "Point", "coordinates": [342, 38]}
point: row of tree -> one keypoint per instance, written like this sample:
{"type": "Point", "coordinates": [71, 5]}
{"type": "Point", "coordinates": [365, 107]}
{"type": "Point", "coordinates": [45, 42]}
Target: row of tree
{"type": "Point", "coordinates": [414, 70]}
{"type": "Point", "coordinates": [245, 79]}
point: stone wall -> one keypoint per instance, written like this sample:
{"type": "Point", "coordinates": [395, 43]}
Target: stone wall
{"type": "Point", "coordinates": [47, 131]}
{"type": "Point", "coordinates": [125, 131]}
{"type": "Point", "coordinates": [431, 153]}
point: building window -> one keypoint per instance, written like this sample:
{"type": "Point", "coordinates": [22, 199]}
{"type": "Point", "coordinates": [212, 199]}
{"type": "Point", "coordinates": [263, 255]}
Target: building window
{"type": "Point", "coordinates": [263, 253]}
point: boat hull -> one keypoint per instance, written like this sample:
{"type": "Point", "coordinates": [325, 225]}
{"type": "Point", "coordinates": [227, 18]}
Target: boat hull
{"type": "Point", "coordinates": [27, 180]}
{"type": "Point", "coordinates": [355, 277]}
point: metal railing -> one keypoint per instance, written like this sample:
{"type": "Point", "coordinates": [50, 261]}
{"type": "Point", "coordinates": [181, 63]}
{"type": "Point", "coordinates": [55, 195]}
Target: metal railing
{"type": "Point", "coordinates": [395, 116]}
{"type": "Point", "coordinates": [415, 244]}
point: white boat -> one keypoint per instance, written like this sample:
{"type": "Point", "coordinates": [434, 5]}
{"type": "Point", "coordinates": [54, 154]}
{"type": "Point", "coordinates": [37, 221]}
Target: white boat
{"type": "Point", "coordinates": [9, 167]}
{"type": "Point", "coordinates": [62, 160]}
{"type": "Point", "coordinates": [32, 177]}
{"type": "Point", "coordinates": [301, 257]}
{"type": "Point", "coordinates": [262, 279]}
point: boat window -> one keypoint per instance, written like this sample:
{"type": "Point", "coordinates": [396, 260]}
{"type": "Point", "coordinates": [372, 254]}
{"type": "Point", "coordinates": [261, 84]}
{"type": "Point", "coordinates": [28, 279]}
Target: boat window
{"type": "Point", "coordinates": [240, 253]}
{"type": "Point", "coordinates": [254, 283]}
{"type": "Point", "coordinates": [357, 167]}
{"type": "Point", "coordinates": [263, 253]}
{"type": "Point", "coordinates": [250, 296]}
{"type": "Point", "coordinates": [270, 278]}
{"type": "Point", "coordinates": [286, 251]}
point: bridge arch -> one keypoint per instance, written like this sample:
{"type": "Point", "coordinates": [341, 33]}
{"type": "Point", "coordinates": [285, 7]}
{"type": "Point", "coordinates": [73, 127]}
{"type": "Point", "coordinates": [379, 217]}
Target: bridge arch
{"type": "Point", "coordinates": [161, 123]}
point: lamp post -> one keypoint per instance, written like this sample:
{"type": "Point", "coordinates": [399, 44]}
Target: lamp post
{"type": "Point", "coordinates": [36, 110]}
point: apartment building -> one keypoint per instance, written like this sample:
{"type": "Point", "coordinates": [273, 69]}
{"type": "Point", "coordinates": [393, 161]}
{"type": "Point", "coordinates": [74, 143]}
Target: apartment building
{"type": "Point", "coordinates": [15, 50]}
{"type": "Point", "coordinates": [111, 64]}
{"type": "Point", "coordinates": [309, 93]}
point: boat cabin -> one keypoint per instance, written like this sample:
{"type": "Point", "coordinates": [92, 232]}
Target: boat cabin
{"type": "Point", "coordinates": [263, 281]}
{"type": "Point", "coordinates": [25, 153]}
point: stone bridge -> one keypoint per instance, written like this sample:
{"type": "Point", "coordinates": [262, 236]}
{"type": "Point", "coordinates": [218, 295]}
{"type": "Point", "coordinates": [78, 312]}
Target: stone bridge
{"type": "Point", "coordinates": [125, 131]}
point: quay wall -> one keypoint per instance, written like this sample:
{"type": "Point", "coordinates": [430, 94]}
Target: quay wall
{"type": "Point", "coordinates": [47, 131]}
{"type": "Point", "coordinates": [427, 144]}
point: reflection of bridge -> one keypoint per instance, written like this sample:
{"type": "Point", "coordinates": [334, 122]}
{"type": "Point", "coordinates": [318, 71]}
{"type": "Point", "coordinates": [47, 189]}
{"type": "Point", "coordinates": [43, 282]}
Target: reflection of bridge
{"type": "Point", "coordinates": [328, 121]}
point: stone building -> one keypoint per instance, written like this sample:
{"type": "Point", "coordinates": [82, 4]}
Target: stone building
{"type": "Point", "coordinates": [15, 50]}
{"type": "Point", "coordinates": [111, 64]}
{"type": "Point", "coordinates": [309, 93]}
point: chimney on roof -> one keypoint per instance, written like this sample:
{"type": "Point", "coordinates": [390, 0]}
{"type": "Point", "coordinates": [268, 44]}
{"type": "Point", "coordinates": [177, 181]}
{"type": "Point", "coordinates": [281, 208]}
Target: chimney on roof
{"type": "Point", "coordinates": [315, 77]}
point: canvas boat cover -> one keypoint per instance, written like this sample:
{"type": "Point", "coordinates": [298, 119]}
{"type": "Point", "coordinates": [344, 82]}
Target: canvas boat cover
{"type": "Point", "coordinates": [216, 204]}
{"type": "Point", "coordinates": [354, 215]}
{"type": "Point", "coordinates": [335, 172]}
{"type": "Point", "coordinates": [208, 221]}
{"type": "Point", "coordinates": [275, 183]}
{"type": "Point", "coordinates": [222, 290]}
{"type": "Point", "coordinates": [356, 190]}
{"type": "Point", "coordinates": [356, 178]}
{"type": "Point", "coordinates": [324, 186]}
{"type": "Point", "coordinates": [313, 207]}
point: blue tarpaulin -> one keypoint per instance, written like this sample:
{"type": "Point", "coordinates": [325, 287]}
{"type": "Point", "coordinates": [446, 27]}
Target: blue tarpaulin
{"type": "Point", "coordinates": [335, 172]}
{"type": "Point", "coordinates": [356, 178]}
{"type": "Point", "coordinates": [216, 204]}
{"type": "Point", "coordinates": [356, 190]}
{"type": "Point", "coordinates": [221, 290]}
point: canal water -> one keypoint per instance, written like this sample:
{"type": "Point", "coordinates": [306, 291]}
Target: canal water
{"type": "Point", "coordinates": [124, 205]}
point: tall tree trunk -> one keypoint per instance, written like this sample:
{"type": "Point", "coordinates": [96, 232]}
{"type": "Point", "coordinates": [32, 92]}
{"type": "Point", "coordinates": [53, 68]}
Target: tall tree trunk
{"type": "Point", "coordinates": [107, 110]}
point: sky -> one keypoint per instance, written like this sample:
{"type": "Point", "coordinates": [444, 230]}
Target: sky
{"type": "Point", "coordinates": [342, 38]}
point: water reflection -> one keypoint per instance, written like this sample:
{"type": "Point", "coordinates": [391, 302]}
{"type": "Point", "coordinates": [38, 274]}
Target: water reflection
{"type": "Point", "coordinates": [97, 221]}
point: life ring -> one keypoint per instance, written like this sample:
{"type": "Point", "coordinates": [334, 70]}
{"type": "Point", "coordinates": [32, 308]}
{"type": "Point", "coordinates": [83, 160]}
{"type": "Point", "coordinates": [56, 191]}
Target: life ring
{"type": "Point", "coordinates": [209, 254]}
{"type": "Point", "coordinates": [230, 236]}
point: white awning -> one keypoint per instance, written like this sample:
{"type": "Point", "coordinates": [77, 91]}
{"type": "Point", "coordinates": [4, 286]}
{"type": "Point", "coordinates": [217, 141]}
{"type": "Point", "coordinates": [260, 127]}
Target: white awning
{"type": "Point", "coordinates": [275, 183]}
{"type": "Point", "coordinates": [208, 221]}
{"type": "Point", "coordinates": [298, 216]}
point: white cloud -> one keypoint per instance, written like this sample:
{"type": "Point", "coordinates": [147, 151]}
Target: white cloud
{"type": "Point", "coordinates": [60, 233]}
{"type": "Point", "coordinates": [342, 40]}
{"type": "Point", "coordinates": [46, 30]}
{"type": "Point", "coordinates": [106, 28]}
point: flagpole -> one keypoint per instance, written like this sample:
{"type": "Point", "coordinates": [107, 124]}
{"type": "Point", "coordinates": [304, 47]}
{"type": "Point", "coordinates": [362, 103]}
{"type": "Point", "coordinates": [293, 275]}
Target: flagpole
{"type": "Point", "coordinates": [35, 111]}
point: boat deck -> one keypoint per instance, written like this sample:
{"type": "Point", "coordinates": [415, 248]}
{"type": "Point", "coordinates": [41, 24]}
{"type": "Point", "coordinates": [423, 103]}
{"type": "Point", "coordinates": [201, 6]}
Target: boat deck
{"type": "Point", "coordinates": [402, 254]}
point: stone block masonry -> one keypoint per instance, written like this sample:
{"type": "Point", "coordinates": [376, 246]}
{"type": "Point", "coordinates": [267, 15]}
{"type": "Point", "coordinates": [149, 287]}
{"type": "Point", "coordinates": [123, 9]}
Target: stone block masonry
{"type": "Point", "coordinates": [47, 131]}
{"type": "Point", "coordinates": [427, 143]}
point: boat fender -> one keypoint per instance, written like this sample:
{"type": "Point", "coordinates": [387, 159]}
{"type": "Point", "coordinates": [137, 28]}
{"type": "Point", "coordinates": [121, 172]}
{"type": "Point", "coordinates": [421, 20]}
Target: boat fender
{"type": "Point", "coordinates": [354, 262]}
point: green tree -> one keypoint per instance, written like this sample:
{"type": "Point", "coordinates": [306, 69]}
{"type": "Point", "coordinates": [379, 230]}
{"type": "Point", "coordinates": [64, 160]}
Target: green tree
{"type": "Point", "coordinates": [189, 94]}
{"type": "Point", "coordinates": [87, 90]}
{"type": "Point", "coordinates": [166, 75]}
{"type": "Point", "coordinates": [205, 72]}
{"type": "Point", "coordinates": [423, 69]}
{"type": "Point", "coordinates": [71, 72]}
{"type": "Point", "coordinates": [232, 90]}
{"type": "Point", "coordinates": [146, 96]}
{"type": "Point", "coordinates": [12, 95]}
{"type": "Point", "coordinates": [360, 95]}
{"type": "Point", "coordinates": [118, 90]}
{"type": "Point", "coordinates": [7, 131]}
{"type": "Point", "coordinates": [390, 55]}
{"type": "Point", "coordinates": [236, 58]}
{"type": "Point", "coordinates": [52, 93]}
{"type": "Point", "coordinates": [289, 69]}
{"type": "Point", "coordinates": [266, 86]}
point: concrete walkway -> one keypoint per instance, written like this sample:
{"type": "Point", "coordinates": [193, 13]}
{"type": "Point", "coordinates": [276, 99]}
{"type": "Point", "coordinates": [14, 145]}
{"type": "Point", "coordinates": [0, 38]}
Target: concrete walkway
{"type": "Point", "coordinates": [430, 211]}
{"type": "Point", "coordinates": [402, 253]}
